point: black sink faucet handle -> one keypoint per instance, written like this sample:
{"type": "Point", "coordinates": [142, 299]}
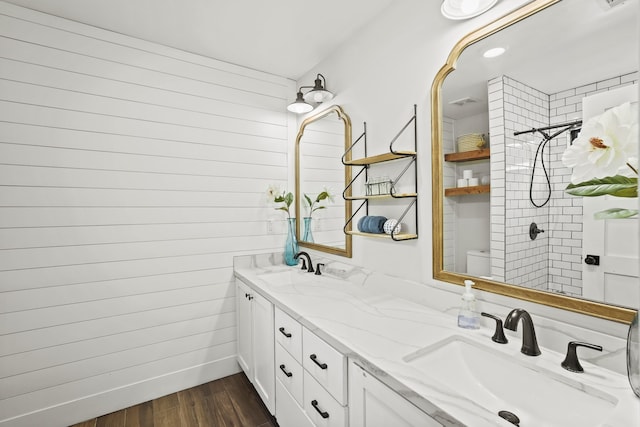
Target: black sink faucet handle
{"type": "Point", "coordinates": [498, 335]}
{"type": "Point", "coordinates": [318, 272]}
{"type": "Point", "coordinates": [571, 362]}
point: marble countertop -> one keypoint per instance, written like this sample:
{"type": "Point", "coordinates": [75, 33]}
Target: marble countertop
{"type": "Point", "coordinates": [378, 329]}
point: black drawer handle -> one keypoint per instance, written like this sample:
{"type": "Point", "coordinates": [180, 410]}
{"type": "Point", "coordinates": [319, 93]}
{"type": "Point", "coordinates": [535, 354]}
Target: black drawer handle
{"type": "Point", "coordinates": [286, 334]}
{"type": "Point", "coordinates": [289, 374]}
{"type": "Point", "coordinates": [321, 365]}
{"type": "Point", "coordinates": [323, 414]}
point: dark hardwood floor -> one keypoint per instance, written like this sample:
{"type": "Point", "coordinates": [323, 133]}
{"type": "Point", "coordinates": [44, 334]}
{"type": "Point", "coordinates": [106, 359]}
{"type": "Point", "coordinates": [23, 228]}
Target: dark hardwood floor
{"type": "Point", "coordinates": [227, 402]}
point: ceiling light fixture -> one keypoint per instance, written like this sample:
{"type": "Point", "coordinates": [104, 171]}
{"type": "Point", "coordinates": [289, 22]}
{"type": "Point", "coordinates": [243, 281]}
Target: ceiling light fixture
{"type": "Point", "coordinates": [465, 9]}
{"type": "Point", "coordinates": [317, 95]}
{"type": "Point", "coordinates": [492, 53]}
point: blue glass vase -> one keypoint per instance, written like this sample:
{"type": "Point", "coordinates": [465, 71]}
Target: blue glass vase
{"type": "Point", "coordinates": [307, 236]}
{"type": "Point", "coordinates": [291, 245]}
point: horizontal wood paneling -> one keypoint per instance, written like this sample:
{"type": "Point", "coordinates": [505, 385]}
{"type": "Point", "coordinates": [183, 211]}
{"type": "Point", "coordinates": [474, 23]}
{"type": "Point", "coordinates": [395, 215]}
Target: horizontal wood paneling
{"type": "Point", "coordinates": [130, 175]}
{"type": "Point", "coordinates": [92, 329]}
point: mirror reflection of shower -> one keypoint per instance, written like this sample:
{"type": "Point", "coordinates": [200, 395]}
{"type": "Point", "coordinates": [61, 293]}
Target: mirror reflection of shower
{"type": "Point", "coordinates": [546, 138]}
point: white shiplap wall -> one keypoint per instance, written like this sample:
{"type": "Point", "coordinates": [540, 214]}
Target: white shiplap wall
{"type": "Point", "coordinates": [130, 175]}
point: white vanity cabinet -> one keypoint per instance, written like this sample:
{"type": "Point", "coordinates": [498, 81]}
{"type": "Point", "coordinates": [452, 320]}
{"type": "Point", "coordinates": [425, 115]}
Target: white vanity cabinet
{"type": "Point", "coordinates": [256, 341]}
{"type": "Point", "coordinates": [303, 380]}
{"type": "Point", "coordinates": [311, 379]}
{"type": "Point", "coordinates": [373, 404]}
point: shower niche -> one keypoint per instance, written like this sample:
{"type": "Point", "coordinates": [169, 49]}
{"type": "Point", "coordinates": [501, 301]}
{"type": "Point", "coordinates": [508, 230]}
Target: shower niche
{"type": "Point", "coordinates": [467, 187]}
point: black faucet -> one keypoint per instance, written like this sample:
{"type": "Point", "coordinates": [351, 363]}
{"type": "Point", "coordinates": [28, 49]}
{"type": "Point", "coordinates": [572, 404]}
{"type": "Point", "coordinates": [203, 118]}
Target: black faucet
{"type": "Point", "coordinates": [529, 342]}
{"type": "Point", "coordinates": [498, 335]}
{"type": "Point", "coordinates": [310, 268]}
{"type": "Point", "coordinates": [571, 362]}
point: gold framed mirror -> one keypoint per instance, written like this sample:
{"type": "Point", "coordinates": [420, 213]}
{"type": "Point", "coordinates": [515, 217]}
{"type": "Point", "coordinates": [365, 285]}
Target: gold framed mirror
{"type": "Point", "coordinates": [320, 179]}
{"type": "Point", "coordinates": [542, 15]}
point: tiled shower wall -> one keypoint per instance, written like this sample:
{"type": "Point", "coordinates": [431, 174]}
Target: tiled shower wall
{"type": "Point", "coordinates": [565, 216]}
{"type": "Point", "coordinates": [524, 260]}
{"type": "Point", "coordinates": [554, 260]}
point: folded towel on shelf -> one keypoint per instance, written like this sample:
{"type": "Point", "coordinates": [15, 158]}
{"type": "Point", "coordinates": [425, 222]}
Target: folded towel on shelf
{"type": "Point", "coordinates": [372, 224]}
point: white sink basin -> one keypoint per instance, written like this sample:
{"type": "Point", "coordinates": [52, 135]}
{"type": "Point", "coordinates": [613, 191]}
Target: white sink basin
{"type": "Point", "coordinates": [290, 276]}
{"type": "Point", "coordinates": [294, 277]}
{"type": "Point", "coordinates": [497, 381]}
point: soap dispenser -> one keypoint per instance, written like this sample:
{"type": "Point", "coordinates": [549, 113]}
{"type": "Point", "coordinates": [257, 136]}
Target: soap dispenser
{"type": "Point", "coordinates": [468, 316]}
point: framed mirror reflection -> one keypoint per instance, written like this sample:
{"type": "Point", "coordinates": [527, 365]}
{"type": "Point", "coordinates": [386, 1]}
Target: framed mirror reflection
{"type": "Point", "coordinates": [320, 179]}
{"type": "Point", "coordinates": [501, 125]}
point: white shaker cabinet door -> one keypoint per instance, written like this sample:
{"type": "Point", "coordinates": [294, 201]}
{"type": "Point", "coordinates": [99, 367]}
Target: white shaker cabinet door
{"type": "Point", "coordinates": [264, 351]}
{"type": "Point", "coordinates": [373, 404]}
{"type": "Point", "coordinates": [256, 342]}
{"type": "Point", "coordinates": [244, 325]}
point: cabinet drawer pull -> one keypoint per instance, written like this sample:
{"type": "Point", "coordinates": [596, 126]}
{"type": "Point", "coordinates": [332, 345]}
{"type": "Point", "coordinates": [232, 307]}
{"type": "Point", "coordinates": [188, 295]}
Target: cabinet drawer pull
{"type": "Point", "coordinates": [289, 374]}
{"type": "Point", "coordinates": [286, 334]}
{"type": "Point", "coordinates": [321, 365]}
{"type": "Point", "coordinates": [323, 414]}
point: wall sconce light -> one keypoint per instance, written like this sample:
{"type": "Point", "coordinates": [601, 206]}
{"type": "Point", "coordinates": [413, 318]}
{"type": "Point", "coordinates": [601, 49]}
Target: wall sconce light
{"type": "Point", "coordinates": [465, 9]}
{"type": "Point", "coordinates": [317, 95]}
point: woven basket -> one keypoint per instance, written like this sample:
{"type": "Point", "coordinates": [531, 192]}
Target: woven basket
{"type": "Point", "coordinates": [470, 142]}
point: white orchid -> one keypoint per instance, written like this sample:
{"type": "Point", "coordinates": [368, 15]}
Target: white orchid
{"type": "Point", "coordinates": [606, 144]}
{"type": "Point", "coordinates": [604, 158]}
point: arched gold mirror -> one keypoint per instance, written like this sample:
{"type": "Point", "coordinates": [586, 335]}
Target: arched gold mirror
{"type": "Point", "coordinates": [320, 179]}
{"type": "Point", "coordinates": [557, 53]}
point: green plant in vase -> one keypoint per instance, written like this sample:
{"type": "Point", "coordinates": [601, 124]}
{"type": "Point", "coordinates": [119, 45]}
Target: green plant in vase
{"type": "Point", "coordinates": [283, 198]}
{"type": "Point", "coordinates": [313, 205]}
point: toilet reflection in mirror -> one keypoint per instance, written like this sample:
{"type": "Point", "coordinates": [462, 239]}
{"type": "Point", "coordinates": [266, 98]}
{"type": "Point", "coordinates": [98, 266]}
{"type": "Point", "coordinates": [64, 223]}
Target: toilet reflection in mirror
{"type": "Point", "coordinates": [544, 78]}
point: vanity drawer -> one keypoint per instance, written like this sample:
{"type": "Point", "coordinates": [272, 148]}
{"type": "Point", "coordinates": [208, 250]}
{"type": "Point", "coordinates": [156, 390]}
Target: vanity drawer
{"type": "Point", "coordinates": [288, 334]}
{"type": "Point", "coordinates": [289, 372]}
{"type": "Point", "coordinates": [326, 365]}
{"type": "Point", "coordinates": [320, 406]}
{"type": "Point", "coordinates": [288, 412]}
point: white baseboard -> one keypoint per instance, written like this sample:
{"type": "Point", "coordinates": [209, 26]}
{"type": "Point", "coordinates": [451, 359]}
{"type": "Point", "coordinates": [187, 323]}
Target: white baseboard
{"type": "Point", "coordinates": [108, 401]}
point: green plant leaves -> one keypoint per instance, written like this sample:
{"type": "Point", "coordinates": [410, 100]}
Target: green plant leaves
{"type": "Point", "coordinates": [616, 213]}
{"type": "Point", "coordinates": [619, 186]}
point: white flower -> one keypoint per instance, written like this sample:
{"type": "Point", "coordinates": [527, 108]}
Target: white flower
{"type": "Point", "coordinates": [273, 191]}
{"type": "Point", "coordinates": [330, 194]}
{"type": "Point", "coordinates": [606, 144]}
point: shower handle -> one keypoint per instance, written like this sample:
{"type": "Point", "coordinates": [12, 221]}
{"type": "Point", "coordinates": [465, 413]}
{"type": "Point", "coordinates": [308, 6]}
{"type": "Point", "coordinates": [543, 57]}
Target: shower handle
{"type": "Point", "coordinates": [534, 231]}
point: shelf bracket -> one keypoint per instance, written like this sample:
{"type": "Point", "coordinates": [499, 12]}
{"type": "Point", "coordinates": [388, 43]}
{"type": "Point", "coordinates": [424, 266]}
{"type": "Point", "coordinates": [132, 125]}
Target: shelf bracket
{"type": "Point", "coordinates": [364, 203]}
{"type": "Point", "coordinates": [415, 128]}
{"type": "Point", "coordinates": [349, 186]}
{"type": "Point", "coordinates": [393, 232]}
{"type": "Point", "coordinates": [363, 136]}
{"type": "Point", "coordinates": [400, 175]}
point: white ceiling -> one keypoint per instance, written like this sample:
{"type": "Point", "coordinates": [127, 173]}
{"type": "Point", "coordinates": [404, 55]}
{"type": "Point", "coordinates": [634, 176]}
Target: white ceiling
{"type": "Point", "coordinates": [570, 44]}
{"type": "Point", "coordinates": [575, 41]}
{"type": "Point", "coordinates": [283, 37]}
